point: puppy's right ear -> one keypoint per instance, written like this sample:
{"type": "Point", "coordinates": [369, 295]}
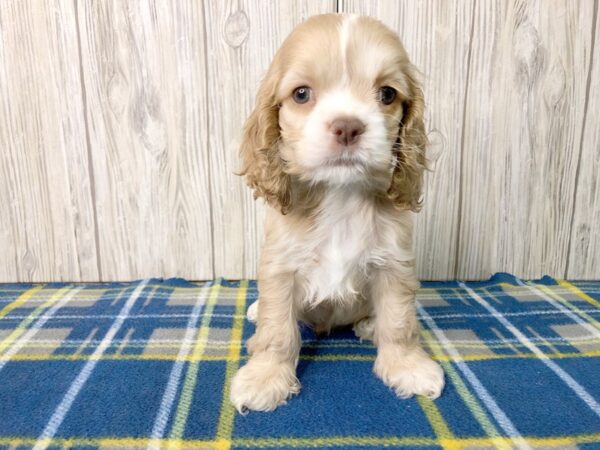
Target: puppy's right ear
{"type": "Point", "coordinates": [261, 160]}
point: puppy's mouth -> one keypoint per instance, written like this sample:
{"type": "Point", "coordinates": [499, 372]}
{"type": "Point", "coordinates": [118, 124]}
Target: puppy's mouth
{"type": "Point", "coordinates": [347, 162]}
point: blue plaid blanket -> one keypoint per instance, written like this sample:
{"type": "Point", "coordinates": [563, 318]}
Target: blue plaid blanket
{"type": "Point", "coordinates": [146, 365]}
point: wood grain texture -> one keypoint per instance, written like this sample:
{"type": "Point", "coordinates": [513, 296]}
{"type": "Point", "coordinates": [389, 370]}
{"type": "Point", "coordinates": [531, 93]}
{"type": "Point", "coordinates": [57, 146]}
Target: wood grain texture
{"type": "Point", "coordinates": [436, 36]}
{"type": "Point", "coordinates": [242, 38]}
{"type": "Point", "coordinates": [524, 112]}
{"type": "Point", "coordinates": [120, 122]}
{"type": "Point", "coordinates": [145, 82]}
{"type": "Point", "coordinates": [46, 214]}
{"type": "Point", "coordinates": [584, 256]}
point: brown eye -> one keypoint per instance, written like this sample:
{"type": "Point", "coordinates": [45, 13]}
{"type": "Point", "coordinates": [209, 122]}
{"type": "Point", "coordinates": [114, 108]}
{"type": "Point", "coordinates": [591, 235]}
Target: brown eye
{"type": "Point", "coordinates": [387, 95]}
{"type": "Point", "coordinates": [301, 94]}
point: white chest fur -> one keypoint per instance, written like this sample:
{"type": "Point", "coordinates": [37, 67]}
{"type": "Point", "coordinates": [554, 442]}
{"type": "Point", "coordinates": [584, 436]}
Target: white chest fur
{"type": "Point", "coordinates": [342, 243]}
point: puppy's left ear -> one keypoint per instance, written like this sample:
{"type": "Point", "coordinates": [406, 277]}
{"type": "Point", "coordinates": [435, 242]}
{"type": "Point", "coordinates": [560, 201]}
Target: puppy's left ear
{"type": "Point", "coordinates": [407, 178]}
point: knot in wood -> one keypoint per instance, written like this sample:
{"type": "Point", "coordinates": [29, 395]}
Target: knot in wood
{"type": "Point", "coordinates": [237, 27]}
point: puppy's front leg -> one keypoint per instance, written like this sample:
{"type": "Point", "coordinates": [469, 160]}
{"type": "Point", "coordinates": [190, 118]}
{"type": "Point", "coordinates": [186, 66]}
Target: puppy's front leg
{"type": "Point", "coordinates": [269, 376]}
{"type": "Point", "coordinates": [401, 362]}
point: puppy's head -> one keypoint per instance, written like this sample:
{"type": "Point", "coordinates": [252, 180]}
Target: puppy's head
{"type": "Point", "coordinates": [340, 105]}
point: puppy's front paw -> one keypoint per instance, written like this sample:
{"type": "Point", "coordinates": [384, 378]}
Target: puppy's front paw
{"type": "Point", "coordinates": [410, 373]}
{"type": "Point", "coordinates": [263, 384]}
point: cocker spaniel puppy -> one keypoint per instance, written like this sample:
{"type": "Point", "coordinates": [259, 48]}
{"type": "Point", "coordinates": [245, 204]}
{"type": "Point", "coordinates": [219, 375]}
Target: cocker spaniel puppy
{"type": "Point", "coordinates": [336, 147]}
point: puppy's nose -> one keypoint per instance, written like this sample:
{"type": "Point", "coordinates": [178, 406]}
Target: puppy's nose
{"type": "Point", "coordinates": [347, 130]}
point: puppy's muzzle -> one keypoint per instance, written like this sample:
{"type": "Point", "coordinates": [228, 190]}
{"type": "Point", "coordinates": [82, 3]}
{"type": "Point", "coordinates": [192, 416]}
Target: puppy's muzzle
{"type": "Point", "coordinates": [347, 130]}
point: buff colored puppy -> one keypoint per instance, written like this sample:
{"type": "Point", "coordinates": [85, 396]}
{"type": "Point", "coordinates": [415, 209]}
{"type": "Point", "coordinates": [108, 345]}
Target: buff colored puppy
{"type": "Point", "coordinates": [336, 147]}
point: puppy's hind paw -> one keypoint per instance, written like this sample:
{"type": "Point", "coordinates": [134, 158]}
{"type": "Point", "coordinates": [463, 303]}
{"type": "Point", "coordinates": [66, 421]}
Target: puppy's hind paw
{"type": "Point", "coordinates": [364, 329]}
{"type": "Point", "coordinates": [252, 313]}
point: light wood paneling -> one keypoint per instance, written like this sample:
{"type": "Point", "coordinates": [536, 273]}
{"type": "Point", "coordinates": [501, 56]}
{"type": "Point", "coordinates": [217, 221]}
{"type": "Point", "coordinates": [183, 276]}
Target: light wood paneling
{"type": "Point", "coordinates": [524, 111]}
{"type": "Point", "coordinates": [436, 36]}
{"type": "Point", "coordinates": [120, 121]}
{"type": "Point", "coordinates": [242, 37]}
{"type": "Point", "coordinates": [144, 67]}
{"type": "Point", "coordinates": [584, 258]}
{"type": "Point", "coordinates": [46, 214]}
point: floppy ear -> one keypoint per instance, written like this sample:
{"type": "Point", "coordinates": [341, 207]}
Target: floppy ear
{"type": "Point", "coordinates": [407, 178]}
{"type": "Point", "coordinates": [261, 160]}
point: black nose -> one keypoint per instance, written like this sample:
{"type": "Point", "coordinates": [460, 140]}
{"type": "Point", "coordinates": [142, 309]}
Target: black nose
{"type": "Point", "coordinates": [347, 130]}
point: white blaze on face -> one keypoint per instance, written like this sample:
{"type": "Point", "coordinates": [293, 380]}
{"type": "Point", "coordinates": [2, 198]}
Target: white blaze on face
{"type": "Point", "coordinates": [344, 38]}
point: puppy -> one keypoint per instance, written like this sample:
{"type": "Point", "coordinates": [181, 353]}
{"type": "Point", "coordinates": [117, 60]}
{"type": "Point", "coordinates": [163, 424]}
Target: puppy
{"type": "Point", "coordinates": [336, 148]}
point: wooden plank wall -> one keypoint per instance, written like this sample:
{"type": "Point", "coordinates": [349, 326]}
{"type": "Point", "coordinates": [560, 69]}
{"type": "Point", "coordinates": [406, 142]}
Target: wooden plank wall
{"type": "Point", "coordinates": [47, 227]}
{"type": "Point", "coordinates": [119, 123]}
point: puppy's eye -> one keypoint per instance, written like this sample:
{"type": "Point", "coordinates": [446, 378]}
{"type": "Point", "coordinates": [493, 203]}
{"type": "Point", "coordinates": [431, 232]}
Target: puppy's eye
{"type": "Point", "coordinates": [302, 94]}
{"type": "Point", "coordinates": [387, 95]}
